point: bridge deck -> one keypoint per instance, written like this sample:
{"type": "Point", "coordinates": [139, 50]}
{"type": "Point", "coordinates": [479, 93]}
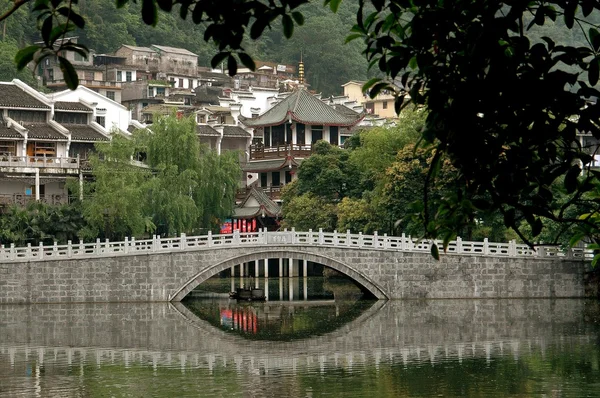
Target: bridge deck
{"type": "Point", "coordinates": [320, 238]}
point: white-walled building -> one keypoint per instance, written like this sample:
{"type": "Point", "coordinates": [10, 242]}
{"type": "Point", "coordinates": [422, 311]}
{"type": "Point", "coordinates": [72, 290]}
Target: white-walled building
{"type": "Point", "coordinates": [106, 112]}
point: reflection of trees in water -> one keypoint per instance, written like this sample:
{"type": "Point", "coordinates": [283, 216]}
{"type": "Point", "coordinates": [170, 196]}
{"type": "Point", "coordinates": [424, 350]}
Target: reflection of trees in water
{"type": "Point", "coordinates": [277, 321]}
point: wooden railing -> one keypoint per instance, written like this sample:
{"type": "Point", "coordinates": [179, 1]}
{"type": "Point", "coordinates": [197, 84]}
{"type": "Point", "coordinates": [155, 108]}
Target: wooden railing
{"type": "Point", "coordinates": [279, 151]}
{"type": "Point", "coordinates": [39, 162]}
{"type": "Point", "coordinates": [288, 238]}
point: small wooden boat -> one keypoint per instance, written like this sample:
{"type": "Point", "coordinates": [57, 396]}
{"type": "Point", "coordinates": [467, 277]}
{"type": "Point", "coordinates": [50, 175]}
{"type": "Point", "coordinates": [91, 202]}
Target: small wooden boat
{"type": "Point", "coordinates": [248, 294]}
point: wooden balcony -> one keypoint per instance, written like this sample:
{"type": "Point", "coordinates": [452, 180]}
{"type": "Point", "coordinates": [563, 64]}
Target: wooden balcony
{"type": "Point", "coordinates": [7, 160]}
{"type": "Point", "coordinates": [274, 192]}
{"type": "Point", "coordinates": [258, 151]}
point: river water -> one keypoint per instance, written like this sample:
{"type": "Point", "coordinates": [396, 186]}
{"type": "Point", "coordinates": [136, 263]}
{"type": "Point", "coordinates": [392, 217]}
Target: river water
{"type": "Point", "coordinates": [312, 338]}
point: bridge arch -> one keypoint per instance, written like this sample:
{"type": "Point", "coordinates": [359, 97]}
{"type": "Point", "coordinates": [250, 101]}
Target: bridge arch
{"type": "Point", "coordinates": [215, 269]}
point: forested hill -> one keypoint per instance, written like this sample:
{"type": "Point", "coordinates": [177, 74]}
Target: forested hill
{"type": "Point", "coordinates": [328, 61]}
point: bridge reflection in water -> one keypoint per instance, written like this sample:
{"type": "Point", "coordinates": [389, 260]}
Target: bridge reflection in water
{"type": "Point", "coordinates": [55, 339]}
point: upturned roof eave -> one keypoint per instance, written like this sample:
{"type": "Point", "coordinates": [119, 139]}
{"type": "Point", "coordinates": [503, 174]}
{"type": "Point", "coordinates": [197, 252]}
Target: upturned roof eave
{"type": "Point", "coordinates": [291, 115]}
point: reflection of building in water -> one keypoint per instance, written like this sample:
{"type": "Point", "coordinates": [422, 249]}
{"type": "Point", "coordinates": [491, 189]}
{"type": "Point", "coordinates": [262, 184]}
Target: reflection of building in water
{"type": "Point", "coordinates": [243, 319]}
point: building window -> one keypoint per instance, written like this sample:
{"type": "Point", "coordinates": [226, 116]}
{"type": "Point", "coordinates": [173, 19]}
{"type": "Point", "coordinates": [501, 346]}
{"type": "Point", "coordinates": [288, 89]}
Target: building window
{"type": "Point", "coordinates": [317, 133]}
{"type": "Point", "coordinates": [27, 116]}
{"type": "Point", "coordinates": [8, 148]}
{"type": "Point", "coordinates": [275, 179]}
{"type": "Point", "coordinates": [79, 57]}
{"type": "Point", "coordinates": [150, 92]}
{"type": "Point", "coordinates": [119, 76]}
{"type": "Point", "coordinates": [128, 76]}
{"type": "Point", "coordinates": [160, 91]}
{"type": "Point", "coordinates": [101, 120]}
{"type": "Point", "coordinates": [223, 119]}
{"type": "Point", "coordinates": [180, 83]}
{"type": "Point", "coordinates": [89, 76]}
{"type": "Point", "coordinates": [110, 95]}
{"type": "Point", "coordinates": [201, 118]}
{"type": "Point", "coordinates": [70, 117]}
{"type": "Point", "coordinates": [190, 83]}
{"type": "Point", "coordinates": [385, 104]}
{"type": "Point", "coordinates": [334, 135]}
{"type": "Point", "coordinates": [300, 133]}
{"type": "Point", "coordinates": [263, 180]}
{"type": "Point", "coordinates": [41, 149]}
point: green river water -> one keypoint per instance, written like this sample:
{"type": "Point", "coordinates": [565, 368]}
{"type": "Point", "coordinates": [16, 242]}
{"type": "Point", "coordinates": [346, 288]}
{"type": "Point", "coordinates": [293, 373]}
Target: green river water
{"type": "Point", "coordinates": [314, 337]}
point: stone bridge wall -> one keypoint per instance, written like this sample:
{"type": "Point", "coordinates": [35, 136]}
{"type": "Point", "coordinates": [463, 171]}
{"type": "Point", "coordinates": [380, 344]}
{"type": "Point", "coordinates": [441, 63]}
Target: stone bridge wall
{"type": "Point", "coordinates": [169, 276]}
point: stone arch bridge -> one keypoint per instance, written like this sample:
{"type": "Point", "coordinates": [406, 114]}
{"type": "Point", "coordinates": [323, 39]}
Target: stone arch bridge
{"type": "Point", "coordinates": [387, 267]}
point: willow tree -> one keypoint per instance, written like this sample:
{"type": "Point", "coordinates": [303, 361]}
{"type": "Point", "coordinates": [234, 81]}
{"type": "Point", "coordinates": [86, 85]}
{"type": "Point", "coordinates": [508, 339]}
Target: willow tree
{"type": "Point", "coordinates": [193, 187]}
{"type": "Point", "coordinates": [114, 201]}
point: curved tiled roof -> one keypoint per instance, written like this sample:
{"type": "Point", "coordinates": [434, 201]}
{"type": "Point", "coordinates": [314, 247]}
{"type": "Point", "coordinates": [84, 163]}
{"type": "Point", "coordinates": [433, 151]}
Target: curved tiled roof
{"type": "Point", "coordinates": [9, 132]}
{"type": "Point", "coordinates": [205, 130]}
{"type": "Point", "coordinates": [270, 165]}
{"type": "Point", "coordinates": [71, 106]}
{"type": "Point", "coordinates": [269, 207]}
{"type": "Point", "coordinates": [12, 96]}
{"type": "Point", "coordinates": [302, 107]}
{"type": "Point", "coordinates": [235, 131]}
{"type": "Point", "coordinates": [84, 132]}
{"type": "Point", "coordinates": [42, 131]}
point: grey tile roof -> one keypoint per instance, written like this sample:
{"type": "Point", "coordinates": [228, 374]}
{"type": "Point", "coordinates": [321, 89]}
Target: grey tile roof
{"type": "Point", "coordinates": [12, 96]}
{"type": "Point", "coordinates": [205, 130]}
{"type": "Point", "coordinates": [84, 132]}
{"type": "Point", "coordinates": [136, 48]}
{"type": "Point", "coordinates": [270, 208]}
{"type": "Point", "coordinates": [264, 165]}
{"type": "Point", "coordinates": [43, 131]}
{"type": "Point", "coordinates": [174, 50]}
{"type": "Point", "coordinates": [208, 94]}
{"type": "Point", "coordinates": [71, 106]}
{"type": "Point", "coordinates": [235, 131]}
{"type": "Point", "coordinates": [9, 132]}
{"type": "Point", "coordinates": [302, 107]}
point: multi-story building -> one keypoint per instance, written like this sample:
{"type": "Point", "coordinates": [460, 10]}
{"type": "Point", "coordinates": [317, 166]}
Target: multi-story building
{"type": "Point", "coordinates": [382, 105]}
{"type": "Point", "coordinates": [91, 74]}
{"type": "Point", "coordinates": [283, 137]}
{"type": "Point", "coordinates": [44, 139]}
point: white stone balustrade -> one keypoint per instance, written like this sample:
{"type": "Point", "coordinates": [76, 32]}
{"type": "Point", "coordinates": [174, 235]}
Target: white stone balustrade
{"type": "Point", "coordinates": [131, 246]}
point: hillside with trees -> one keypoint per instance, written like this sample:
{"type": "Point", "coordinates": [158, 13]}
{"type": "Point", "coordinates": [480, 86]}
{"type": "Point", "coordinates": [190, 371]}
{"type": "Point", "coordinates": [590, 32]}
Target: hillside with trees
{"type": "Point", "coordinates": [320, 42]}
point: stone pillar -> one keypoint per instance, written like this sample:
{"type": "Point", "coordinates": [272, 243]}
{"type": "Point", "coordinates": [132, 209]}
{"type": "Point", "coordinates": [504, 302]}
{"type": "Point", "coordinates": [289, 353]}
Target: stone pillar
{"type": "Point", "coordinates": [232, 271]}
{"type": "Point", "coordinates": [280, 267]}
{"type": "Point", "coordinates": [304, 268]}
{"type": "Point", "coordinates": [291, 289]}
{"type": "Point", "coordinates": [267, 289]}
{"type": "Point", "coordinates": [256, 270]}
{"type": "Point", "coordinates": [281, 289]}
{"type": "Point", "coordinates": [266, 267]}
{"type": "Point", "coordinates": [290, 267]}
{"type": "Point", "coordinates": [37, 184]}
{"type": "Point", "coordinates": [80, 184]}
{"type": "Point", "coordinates": [305, 286]}
{"type": "Point", "coordinates": [242, 269]}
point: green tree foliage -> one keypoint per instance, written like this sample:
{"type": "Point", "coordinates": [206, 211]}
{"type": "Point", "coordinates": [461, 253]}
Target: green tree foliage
{"type": "Point", "coordinates": [307, 211]}
{"type": "Point", "coordinates": [8, 69]}
{"type": "Point", "coordinates": [320, 37]}
{"type": "Point", "coordinates": [40, 223]}
{"type": "Point", "coordinates": [193, 187]}
{"type": "Point", "coordinates": [115, 200]}
{"type": "Point", "coordinates": [328, 173]}
{"type": "Point", "coordinates": [501, 102]}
